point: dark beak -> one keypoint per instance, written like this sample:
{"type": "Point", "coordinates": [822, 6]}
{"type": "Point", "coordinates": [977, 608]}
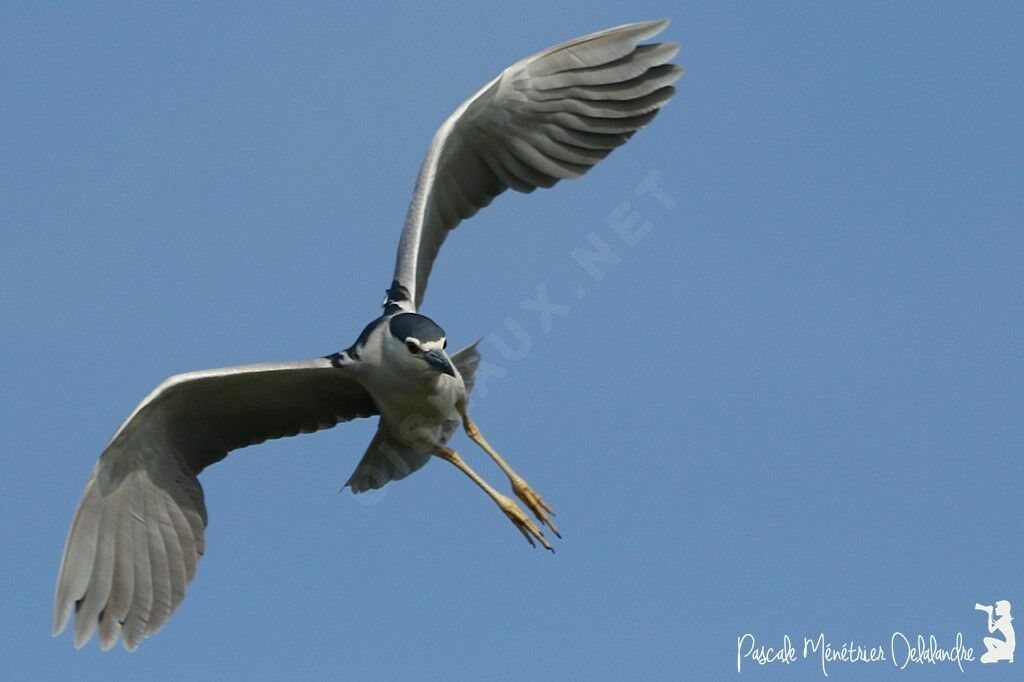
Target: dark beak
{"type": "Point", "coordinates": [439, 361]}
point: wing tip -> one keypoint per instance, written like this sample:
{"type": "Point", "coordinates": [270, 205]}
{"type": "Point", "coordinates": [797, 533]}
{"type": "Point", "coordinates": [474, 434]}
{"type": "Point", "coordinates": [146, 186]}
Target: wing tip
{"type": "Point", "coordinates": [634, 32]}
{"type": "Point", "coordinates": [650, 28]}
{"type": "Point", "coordinates": [81, 637]}
{"type": "Point", "coordinates": [58, 628]}
{"type": "Point", "coordinates": [663, 52]}
{"type": "Point", "coordinates": [61, 616]}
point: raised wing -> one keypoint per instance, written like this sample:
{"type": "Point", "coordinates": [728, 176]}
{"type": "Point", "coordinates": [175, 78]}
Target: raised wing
{"type": "Point", "coordinates": [137, 534]}
{"type": "Point", "coordinates": [548, 117]}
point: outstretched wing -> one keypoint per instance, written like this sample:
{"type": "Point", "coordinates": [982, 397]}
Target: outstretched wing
{"type": "Point", "coordinates": [137, 534]}
{"type": "Point", "coordinates": [548, 117]}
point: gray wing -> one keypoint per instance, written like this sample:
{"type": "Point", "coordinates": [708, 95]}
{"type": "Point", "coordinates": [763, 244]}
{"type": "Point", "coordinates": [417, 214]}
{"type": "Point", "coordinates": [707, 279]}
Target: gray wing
{"type": "Point", "coordinates": [548, 117]}
{"type": "Point", "coordinates": [137, 534]}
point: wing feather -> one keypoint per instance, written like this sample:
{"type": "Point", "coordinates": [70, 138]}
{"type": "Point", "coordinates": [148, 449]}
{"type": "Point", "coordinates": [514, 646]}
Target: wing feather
{"type": "Point", "coordinates": [137, 617]}
{"type": "Point", "coordinates": [124, 576]}
{"type": "Point", "coordinates": [160, 610]}
{"type": "Point", "coordinates": [89, 606]}
{"type": "Point", "coordinates": [549, 117]}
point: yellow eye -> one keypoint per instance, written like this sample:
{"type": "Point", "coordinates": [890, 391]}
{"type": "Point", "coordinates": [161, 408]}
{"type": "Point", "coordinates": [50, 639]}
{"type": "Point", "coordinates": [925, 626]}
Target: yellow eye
{"type": "Point", "coordinates": [413, 348]}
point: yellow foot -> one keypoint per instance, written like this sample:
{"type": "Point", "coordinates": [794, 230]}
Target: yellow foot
{"type": "Point", "coordinates": [527, 527]}
{"type": "Point", "coordinates": [532, 500]}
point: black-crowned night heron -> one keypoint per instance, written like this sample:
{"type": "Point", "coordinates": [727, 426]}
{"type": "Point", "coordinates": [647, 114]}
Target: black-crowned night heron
{"type": "Point", "coordinates": [137, 534]}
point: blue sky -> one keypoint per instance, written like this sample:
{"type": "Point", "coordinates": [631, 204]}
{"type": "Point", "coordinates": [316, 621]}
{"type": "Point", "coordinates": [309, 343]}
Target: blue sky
{"type": "Point", "coordinates": [793, 406]}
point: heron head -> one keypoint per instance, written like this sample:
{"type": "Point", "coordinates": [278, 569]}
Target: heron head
{"type": "Point", "coordinates": [418, 340]}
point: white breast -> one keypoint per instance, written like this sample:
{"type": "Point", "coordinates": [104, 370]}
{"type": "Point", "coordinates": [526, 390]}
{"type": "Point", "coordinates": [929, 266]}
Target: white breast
{"type": "Point", "coordinates": [418, 411]}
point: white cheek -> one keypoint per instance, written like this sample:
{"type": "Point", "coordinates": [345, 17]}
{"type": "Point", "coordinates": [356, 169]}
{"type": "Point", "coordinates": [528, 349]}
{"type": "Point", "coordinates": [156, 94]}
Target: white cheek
{"type": "Point", "coordinates": [434, 345]}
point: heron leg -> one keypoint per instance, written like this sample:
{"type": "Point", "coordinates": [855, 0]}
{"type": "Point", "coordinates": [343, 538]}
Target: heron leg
{"type": "Point", "coordinates": [520, 487]}
{"type": "Point", "coordinates": [516, 515]}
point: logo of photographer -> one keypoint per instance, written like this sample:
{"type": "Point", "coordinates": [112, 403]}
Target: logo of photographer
{"type": "Point", "coordinates": [998, 649]}
{"type": "Point", "coordinates": [901, 651]}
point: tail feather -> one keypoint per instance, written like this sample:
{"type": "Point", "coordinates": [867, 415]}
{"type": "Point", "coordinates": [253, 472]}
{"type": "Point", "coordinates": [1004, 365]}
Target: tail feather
{"type": "Point", "coordinates": [385, 460]}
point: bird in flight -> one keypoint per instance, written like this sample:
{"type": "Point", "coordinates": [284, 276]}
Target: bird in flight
{"type": "Point", "coordinates": [137, 534]}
